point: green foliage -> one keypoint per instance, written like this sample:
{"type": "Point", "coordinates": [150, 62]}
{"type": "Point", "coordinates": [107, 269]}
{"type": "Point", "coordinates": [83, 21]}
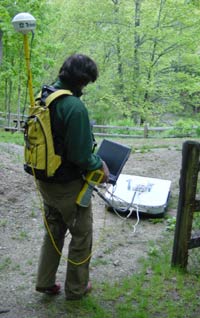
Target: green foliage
{"type": "Point", "coordinates": [185, 127]}
{"type": "Point", "coordinates": [171, 223]}
{"type": "Point", "coordinates": [147, 54]}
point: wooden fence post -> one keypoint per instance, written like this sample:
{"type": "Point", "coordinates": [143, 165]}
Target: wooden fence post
{"type": "Point", "coordinates": [187, 202]}
{"type": "Point", "coordinates": [146, 130]}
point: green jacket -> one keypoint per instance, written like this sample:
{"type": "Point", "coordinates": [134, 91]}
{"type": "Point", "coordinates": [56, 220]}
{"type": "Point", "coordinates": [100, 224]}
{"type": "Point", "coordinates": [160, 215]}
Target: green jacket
{"type": "Point", "coordinates": [73, 138]}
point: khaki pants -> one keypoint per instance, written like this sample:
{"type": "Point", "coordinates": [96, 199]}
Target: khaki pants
{"type": "Point", "coordinates": [63, 214]}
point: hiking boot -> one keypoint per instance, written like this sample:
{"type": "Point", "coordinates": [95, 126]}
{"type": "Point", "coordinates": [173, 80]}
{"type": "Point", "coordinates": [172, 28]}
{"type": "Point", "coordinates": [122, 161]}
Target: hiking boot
{"type": "Point", "coordinates": [53, 290]}
{"type": "Point", "coordinates": [88, 288]}
{"type": "Point", "coordinates": [76, 297]}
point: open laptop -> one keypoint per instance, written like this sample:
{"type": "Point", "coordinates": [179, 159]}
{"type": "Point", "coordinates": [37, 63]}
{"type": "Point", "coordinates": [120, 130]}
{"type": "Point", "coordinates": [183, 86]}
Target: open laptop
{"type": "Point", "coordinates": [115, 155]}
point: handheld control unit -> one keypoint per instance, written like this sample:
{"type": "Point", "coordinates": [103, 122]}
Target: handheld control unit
{"type": "Point", "coordinates": [92, 179]}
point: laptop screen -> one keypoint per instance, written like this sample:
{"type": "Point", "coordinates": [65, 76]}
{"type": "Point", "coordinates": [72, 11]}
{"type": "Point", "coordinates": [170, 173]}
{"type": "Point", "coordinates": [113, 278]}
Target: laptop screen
{"type": "Point", "coordinates": [115, 155]}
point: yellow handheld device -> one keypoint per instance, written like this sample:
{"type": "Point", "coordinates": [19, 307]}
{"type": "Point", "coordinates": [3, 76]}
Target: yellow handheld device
{"type": "Point", "coordinates": [93, 178]}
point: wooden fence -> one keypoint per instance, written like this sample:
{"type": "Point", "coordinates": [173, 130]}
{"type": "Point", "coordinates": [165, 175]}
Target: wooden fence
{"type": "Point", "coordinates": [128, 132]}
{"type": "Point", "coordinates": [14, 122]}
{"type": "Point", "coordinates": [187, 205]}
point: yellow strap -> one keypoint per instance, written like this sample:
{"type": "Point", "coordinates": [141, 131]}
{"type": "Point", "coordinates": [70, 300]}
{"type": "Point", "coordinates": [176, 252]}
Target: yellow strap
{"type": "Point", "coordinates": [56, 94]}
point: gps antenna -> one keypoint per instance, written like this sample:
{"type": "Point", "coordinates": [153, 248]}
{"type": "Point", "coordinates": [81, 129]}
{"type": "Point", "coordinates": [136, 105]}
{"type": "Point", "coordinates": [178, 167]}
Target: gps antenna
{"type": "Point", "coordinates": [24, 22]}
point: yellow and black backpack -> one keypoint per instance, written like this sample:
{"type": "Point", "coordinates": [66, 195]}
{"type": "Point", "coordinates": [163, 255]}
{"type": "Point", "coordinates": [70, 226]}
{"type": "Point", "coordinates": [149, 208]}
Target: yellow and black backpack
{"type": "Point", "coordinates": [39, 153]}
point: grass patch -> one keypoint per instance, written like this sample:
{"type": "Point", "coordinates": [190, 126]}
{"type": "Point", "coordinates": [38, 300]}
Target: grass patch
{"type": "Point", "coordinates": [156, 291]}
{"type": "Point", "coordinates": [9, 137]}
{"type": "Point", "coordinates": [23, 235]}
{"type": "Point", "coordinates": [148, 148]}
{"type": "Point", "coordinates": [3, 222]}
{"type": "Point", "coordinates": [5, 263]}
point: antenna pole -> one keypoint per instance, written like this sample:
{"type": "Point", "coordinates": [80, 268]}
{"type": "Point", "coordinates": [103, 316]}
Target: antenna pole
{"type": "Point", "coordinates": [28, 67]}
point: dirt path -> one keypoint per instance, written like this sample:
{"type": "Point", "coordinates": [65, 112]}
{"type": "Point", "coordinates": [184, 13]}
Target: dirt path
{"type": "Point", "coordinates": [117, 247]}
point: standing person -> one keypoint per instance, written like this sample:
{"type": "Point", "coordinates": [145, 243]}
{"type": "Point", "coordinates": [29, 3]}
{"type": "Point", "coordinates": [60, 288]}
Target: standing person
{"type": "Point", "coordinates": [73, 140]}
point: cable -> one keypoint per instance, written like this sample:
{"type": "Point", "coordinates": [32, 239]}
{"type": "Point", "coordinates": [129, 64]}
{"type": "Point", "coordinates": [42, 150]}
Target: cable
{"type": "Point", "coordinates": [50, 234]}
{"type": "Point", "coordinates": [130, 206]}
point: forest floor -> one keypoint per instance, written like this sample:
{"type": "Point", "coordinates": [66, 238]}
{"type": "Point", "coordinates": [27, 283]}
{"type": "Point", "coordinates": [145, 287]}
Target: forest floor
{"type": "Point", "coordinates": [118, 248]}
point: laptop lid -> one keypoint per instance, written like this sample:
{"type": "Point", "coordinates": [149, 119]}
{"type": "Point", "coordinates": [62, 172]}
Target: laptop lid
{"type": "Point", "coordinates": [115, 155]}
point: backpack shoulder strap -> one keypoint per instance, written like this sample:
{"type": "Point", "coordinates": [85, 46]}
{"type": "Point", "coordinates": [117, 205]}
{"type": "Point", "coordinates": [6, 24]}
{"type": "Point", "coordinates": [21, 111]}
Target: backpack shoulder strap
{"type": "Point", "coordinates": [56, 94]}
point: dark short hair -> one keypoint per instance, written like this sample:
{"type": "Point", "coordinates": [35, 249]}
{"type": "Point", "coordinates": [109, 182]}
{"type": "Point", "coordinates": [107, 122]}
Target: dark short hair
{"type": "Point", "coordinates": [78, 70]}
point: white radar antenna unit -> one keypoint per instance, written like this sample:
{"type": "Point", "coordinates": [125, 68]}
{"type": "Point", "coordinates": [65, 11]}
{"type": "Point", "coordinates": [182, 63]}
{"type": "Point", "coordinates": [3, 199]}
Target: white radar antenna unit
{"type": "Point", "coordinates": [24, 22]}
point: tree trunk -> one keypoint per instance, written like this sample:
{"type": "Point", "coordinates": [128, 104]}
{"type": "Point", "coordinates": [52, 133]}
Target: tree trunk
{"type": "Point", "coordinates": [153, 53]}
{"type": "Point", "coordinates": [136, 61]}
{"type": "Point", "coordinates": [136, 64]}
{"type": "Point", "coordinates": [118, 46]}
{"type": "Point", "coordinates": [1, 46]}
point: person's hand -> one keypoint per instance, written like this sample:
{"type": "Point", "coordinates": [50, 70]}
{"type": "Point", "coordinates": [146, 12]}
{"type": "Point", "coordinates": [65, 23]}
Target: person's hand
{"type": "Point", "coordinates": [105, 171]}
